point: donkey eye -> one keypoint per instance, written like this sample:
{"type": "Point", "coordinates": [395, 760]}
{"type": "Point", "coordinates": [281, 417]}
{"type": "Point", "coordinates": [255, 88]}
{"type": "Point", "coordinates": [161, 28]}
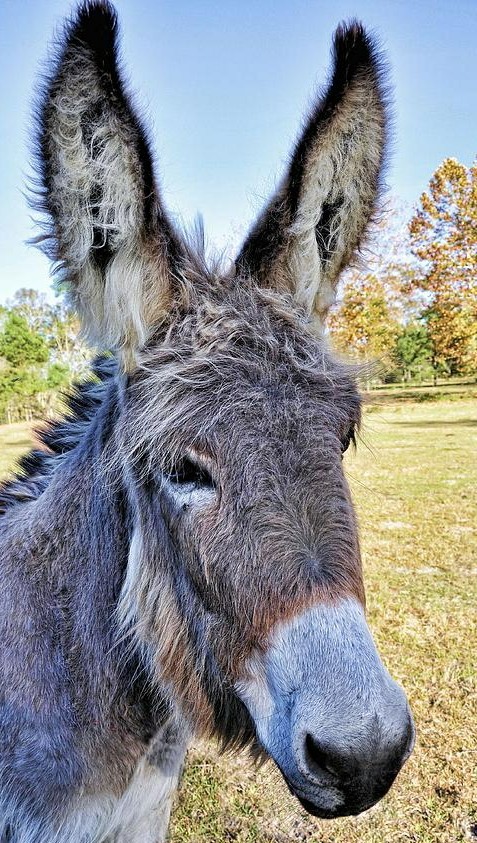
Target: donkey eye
{"type": "Point", "coordinates": [348, 439]}
{"type": "Point", "coordinates": [188, 472]}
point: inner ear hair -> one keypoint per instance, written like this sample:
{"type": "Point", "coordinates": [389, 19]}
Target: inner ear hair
{"type": "Point", "coordinates": [115, 248]}
{"type": "Point", "coordinates": [316, 220]}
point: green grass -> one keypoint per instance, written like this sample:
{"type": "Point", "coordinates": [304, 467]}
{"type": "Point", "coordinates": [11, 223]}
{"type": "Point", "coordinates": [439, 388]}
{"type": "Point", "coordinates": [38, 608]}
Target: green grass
{"type": "Point", "coordinates": [414, 480]}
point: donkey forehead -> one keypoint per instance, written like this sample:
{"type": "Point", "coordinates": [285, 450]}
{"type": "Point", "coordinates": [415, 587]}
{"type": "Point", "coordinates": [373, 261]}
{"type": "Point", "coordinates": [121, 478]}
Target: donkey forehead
{"type": "Point", "coordinates": [261, 388]}
{"type": "Point", "coordinates": [291, 422]}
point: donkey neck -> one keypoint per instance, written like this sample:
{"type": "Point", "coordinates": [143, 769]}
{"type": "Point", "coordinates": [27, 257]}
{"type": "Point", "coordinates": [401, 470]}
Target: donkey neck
{"type": "Point", "coordinates": [74, 536]}
{"type": "Point", "coordinates": [63, 560]}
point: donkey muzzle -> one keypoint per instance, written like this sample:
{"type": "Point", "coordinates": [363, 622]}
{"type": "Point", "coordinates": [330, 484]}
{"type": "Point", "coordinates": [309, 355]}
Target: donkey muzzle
{"type": "Point", "coordinates": [353, 770]}
{"type": "Point", "coordinates": [327, 711]}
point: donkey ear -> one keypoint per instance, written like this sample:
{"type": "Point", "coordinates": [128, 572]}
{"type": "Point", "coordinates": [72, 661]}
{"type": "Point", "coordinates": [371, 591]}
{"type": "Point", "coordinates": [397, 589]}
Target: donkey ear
{"type": "Point", "coordinates": [115, 246]}
{"type": "Point", "coordinates": [317, 218]}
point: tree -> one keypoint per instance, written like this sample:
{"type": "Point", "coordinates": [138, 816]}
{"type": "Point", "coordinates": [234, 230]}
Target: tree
{"type": "Point", "coordinates": [19, 345]}
{"type": "Point", "coordinates": [58, 376]}
{"type": "Point", "coordinates": [34, 307]}
{"type": "Point", "coordinates": [39, 353]}
{"type": "Point", "coordinates": [64, 329]}
{"type": "Point", "coordinates": [366, 321]}
{"type": "Point", "coordinates": [375, 303]}
{"type": "Point", "coordinates": [56, 323]}
{"type": "Point", "coordinates": [413, 351]}
{"type": "Point", "coordinates": [444, 236]}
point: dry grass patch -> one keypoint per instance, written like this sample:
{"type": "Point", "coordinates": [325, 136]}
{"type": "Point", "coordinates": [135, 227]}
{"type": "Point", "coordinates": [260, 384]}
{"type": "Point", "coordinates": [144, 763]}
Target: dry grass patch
{"type": "Point", "coordinates": [15, 440]}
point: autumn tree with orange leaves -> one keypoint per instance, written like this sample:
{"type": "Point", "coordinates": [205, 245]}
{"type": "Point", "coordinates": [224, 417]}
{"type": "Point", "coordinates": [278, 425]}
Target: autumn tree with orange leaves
{"type": "Point", "coordinates": [444, 236]}
{"type": "Point", "coordinates": [372, 307]}
{"type": "Point", "coordinates": [366, 323]}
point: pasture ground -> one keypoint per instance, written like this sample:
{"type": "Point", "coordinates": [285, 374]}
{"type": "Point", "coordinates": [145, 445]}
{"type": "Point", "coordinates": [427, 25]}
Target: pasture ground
{"type": "Point", "coordinates": [414, 480]}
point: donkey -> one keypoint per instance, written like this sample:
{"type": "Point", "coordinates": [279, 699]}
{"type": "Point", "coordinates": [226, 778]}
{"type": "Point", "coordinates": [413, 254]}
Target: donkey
{"type": "Point", "coordinates": [180, 556]}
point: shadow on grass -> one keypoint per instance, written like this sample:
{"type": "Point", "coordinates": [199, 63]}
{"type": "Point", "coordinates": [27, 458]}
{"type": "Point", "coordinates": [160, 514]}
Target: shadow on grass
{"type": "Point", "coordinates": [16, 441]}
{"type": "Point", "coordinates": [438, 423]}
{"type": "Point", "coordinates": [418, 396]}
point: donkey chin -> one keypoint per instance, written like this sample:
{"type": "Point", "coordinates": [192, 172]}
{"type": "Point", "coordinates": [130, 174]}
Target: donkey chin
{"type": "Point", "coordinates": [327, 712]}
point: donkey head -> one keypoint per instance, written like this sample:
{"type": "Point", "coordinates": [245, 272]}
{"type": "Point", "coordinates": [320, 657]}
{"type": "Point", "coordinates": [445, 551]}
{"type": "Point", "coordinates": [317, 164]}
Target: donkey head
{"type": "Point", "coordinates": [244, 581]}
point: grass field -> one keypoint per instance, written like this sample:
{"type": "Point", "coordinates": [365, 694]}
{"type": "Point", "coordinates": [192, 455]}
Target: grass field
{"type": "Point", "coordinates": [414, 480]}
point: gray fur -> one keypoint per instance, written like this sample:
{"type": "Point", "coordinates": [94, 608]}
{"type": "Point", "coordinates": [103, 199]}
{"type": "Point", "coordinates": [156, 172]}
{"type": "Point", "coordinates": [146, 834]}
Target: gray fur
{"type": "Point", "coordinates": [191, 507]}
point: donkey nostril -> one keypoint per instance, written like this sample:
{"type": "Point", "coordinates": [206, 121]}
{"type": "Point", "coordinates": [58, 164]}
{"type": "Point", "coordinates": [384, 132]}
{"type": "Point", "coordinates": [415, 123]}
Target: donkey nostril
{"type": "Point", "coordinates": [319, 758]}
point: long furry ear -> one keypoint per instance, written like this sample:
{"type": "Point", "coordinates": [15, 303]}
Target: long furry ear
{"type": "Point", "coordinates": [317, 218]}
{"type": "Point", "coordinates": [116, 249]}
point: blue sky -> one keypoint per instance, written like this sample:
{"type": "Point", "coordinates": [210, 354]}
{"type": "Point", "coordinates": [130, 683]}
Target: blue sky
{"type": "Point", "coordinates": [225, 86]}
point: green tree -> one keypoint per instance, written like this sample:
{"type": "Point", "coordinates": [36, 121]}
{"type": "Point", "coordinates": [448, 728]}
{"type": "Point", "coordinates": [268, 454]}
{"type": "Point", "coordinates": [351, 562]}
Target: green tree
{"type": "Point", "coordinates": [56, 323]}
{"type": "Point", "coordinates": [413, 351]}
{"type": "Point", "coordinates": [38, 353]}
{"type": "Point", "coordinates": [21, 346]}
{"type": "Point", "coordinates": [58, 376]}
{"type": "Point", "coordinates": [19, 389]}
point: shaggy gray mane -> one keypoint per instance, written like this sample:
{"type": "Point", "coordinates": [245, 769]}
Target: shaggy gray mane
{"type": "Point", "coordinates": [58, 437]}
